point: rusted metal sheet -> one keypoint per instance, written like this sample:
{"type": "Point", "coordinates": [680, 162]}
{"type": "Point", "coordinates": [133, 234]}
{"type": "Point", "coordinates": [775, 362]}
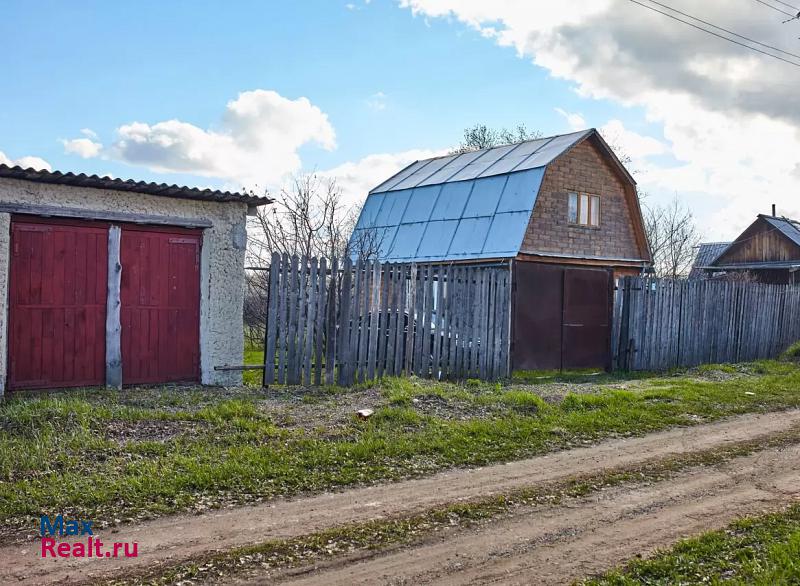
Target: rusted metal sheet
{"type": "Point", "coordinates": [587, 319]}
{"type": "Point", "coordinates": [538, 305]}
{"type": "Point", "coordinates": [562, 317]}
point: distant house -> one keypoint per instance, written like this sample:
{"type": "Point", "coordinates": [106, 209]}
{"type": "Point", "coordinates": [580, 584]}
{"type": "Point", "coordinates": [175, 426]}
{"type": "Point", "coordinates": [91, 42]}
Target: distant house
{"type": "Point", "coordinates": [108, 282]}
{"type": "Point", "coordinates": [562, 212]}
{"type": "Point", "coordinates": [768, 251]}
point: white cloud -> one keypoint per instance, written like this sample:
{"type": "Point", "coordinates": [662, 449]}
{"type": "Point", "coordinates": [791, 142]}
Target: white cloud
{"type": "Point", "coordinates": [574, 120]}
{"type": "Point", "coordinates": [255, 143]}
{"type": "Point", "coordinates": [25, 162]}
{"type": "Point", "coordinates": [377, 101]}
{"type": "Point", "coordinates": [83, 147]}
{"type": "Point", "coordinates": [637, 146]}
{"type": "Point", "coordinates": [729, 116]}
{"type": "Point", "coordinates": [356, 178]}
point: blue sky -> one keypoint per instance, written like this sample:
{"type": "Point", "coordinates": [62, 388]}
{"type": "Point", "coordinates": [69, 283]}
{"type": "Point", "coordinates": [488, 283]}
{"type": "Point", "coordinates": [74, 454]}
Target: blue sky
{"type": "Point", "coordinates": [387, 78]}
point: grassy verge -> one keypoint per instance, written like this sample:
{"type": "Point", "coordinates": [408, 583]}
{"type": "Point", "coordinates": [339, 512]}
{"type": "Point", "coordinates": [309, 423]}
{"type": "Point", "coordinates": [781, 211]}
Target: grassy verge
{"type": "Point", "coordinates": [761, 551]}
{"type": "Point", "coordinates": [381, 534]}
{"type": "Point", "coordinates": [143, 452]}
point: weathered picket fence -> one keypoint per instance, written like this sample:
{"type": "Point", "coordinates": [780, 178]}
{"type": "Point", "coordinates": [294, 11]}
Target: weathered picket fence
{"type": "Point", "coordinates": [353, 322]}
{"type": "Point", "coordinates": [663, 323]}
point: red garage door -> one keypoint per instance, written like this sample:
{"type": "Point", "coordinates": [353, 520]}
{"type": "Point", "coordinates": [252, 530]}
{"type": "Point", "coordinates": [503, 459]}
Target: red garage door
{"type": "Point", "coordinates": [57, 304]}
{"type": "Point", "coordinates": [160, 309]}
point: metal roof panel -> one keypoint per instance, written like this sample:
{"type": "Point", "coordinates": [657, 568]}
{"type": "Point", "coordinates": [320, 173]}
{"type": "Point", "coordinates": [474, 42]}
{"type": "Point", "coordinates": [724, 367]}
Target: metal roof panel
{"type": "Point", "coordinates": [436, 240]}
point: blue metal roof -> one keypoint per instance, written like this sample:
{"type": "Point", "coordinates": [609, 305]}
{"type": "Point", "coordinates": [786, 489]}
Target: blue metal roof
{"type": "Point", "coordinates": [465, 206]}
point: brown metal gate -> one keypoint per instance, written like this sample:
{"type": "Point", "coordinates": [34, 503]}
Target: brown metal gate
{"type": "Point", "coordinates": [562, 317]}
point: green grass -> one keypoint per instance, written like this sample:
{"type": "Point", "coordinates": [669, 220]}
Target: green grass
{"type": "Point", "coordinates": [59, 451]}
{"type": "Point", "coordinates": [761, 551]}
{"type": "Point", "coordinates": [792, 352]}
{"type": "Point", "coordinates": [253, 377]}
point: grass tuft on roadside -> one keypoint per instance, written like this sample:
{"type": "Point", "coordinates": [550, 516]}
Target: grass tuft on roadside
{"type": "Point", "coordinates": [760, 551]}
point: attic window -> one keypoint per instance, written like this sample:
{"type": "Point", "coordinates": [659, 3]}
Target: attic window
{"type": "Point", "coordinates": [584, 209]}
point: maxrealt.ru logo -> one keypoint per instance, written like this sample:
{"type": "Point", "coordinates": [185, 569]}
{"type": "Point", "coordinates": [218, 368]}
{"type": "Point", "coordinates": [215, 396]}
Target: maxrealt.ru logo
{"type": "Point", "coordinates": [91, 547]}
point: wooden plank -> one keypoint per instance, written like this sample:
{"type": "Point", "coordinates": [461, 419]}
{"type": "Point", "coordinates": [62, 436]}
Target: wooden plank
{"type": "Point", "coordinates": [273, 301]}
{"type": "Point", "coordinates": [311, 319]}
{"type": "Point", "coordinates": [283, 308]}
{"type": "Point", "coordinates": [374, 320]}
{"type": "Point", "coordinates": [428, 301]}
{"type": "Point", "coordinates": [113, 322]}
{"type": "Point", "coordinates": [400, 317]}
{"type": "Point", "coordinates": [345, 302]}
{"type": "Point", "coordinates": [319, 319]}
{"type": "Point", "coordinates": [293, 300]}
{"type": "Point", "coordinates": [383, 320]}
{"type": "Point", "coordinates": [411, 325]}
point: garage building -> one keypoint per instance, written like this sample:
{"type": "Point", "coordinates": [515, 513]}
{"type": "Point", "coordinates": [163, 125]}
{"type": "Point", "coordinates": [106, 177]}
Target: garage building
{"type": "Point", "coordinates": [109, 282]}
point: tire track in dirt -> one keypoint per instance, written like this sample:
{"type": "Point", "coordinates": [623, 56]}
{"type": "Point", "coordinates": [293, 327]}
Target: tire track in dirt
{"type": "Point", "coordinates": [171, 539]}
{"type": "Point", "coordinates": [559, 544]}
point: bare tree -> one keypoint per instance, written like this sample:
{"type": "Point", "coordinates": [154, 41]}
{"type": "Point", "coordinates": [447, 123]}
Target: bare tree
{"type": "Point", "coordinates": [481, 136]}
{"type": "Point", "coordinates": [673, 237]}
{"type": "Point", "coordinates": [308, 218]}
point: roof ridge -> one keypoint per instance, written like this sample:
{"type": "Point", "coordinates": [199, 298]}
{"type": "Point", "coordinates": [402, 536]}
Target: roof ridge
{"type": "Point", "coordinates": [107, 182]}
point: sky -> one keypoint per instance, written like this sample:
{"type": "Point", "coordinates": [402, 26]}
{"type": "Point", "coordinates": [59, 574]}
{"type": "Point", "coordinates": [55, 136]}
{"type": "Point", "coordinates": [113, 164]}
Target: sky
{"type": "Point", "coordinates": [243, 94]}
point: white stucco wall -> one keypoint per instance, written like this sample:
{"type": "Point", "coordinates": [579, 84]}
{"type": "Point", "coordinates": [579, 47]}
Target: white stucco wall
{"type": "Point", "coordinates": [221, 264]}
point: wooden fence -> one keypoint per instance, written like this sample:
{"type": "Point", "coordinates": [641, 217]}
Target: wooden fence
{"type": "Point", "coordinates": [345, 323]}
{"type": "Point", "coordinates": [661, 323]}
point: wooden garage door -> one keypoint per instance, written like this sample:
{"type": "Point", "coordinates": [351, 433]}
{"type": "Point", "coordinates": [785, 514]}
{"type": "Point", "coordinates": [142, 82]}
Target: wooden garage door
{"type": "Point", "coordinates": [160, 305]}
{"type": "Point", "coordinates": [57, 304]}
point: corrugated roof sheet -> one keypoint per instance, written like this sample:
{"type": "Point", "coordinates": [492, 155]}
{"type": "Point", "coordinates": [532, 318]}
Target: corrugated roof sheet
{"type": "Point", "coordinates": [789, 228]}
{"type": "Point", "coordinates": [480, 218]}
{"type": "Point", "coordinates": [522, 156]}
{"type": "Point", "coordinates": [96, 182]}
{"type": "Point", "coordinates": [707, 254]}
{"type": "Point", "coordinates": [470, 205]}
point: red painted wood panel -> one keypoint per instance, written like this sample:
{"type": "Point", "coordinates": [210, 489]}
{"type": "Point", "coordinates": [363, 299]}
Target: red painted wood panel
{"type": "Point", "coordinates": [160, 309]}
{"type": "Point", "coordinates": [57, 304]}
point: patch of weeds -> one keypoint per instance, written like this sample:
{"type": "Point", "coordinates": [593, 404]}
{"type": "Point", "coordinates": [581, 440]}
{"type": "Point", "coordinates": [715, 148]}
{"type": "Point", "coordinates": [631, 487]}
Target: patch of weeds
{"type": "Point", "coordinates": [523, 401]}
{"type": "Point", "coordinates": [792, 352]}
{"type": "Point", "coordinates": [761, 550]}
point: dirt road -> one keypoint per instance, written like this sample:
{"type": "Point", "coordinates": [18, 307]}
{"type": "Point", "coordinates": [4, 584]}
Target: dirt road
{"type": "Point", "coordinates": [180, 537]}
{"type": "Point", "coordinates": [556, 545]}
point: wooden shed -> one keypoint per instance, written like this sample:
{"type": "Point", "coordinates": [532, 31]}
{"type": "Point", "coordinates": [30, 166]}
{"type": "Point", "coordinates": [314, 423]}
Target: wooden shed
{"type": "Point", "coordinates": [768, 251]}
{"type": "Point", "coordinates": [111, 282]}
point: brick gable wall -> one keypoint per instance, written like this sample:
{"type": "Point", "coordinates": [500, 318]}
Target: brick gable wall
{"type": "Point", "coordinates": [583, 169]}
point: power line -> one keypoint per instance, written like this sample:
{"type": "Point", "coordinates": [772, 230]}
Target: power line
{"type": "Point", "coordinates": [777, 9]}
{"type": "Point", "coordinates": [786, 4]}
{"type": "Point", "coordinates": [725, 30]}
{"type": "Point", "coordinates": [705, 30]}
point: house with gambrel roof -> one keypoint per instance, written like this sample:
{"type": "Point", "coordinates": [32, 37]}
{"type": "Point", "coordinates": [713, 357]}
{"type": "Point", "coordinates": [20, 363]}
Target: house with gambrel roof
{"type": "Point", "coordinates": [561, 211]}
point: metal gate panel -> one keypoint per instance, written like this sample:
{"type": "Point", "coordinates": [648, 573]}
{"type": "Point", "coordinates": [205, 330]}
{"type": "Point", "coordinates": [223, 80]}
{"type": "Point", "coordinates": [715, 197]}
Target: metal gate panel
{"type": "Point", "coordinates": [57, 304]}
{"type": "Point", "coordinates": [160, 305]}
{"type": "Point", "coordinates": [562, 317]}
{"type": "Point", "coordinates": [537, 317]}
{"type": "Point", "coordinates": [587, 319]}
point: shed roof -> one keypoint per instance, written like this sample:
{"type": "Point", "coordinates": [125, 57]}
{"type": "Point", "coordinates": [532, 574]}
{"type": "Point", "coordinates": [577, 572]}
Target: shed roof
{"type": "Point", "coordinates": [787, 227]}
{"type": "Point", "coordinates": [473, 205]}
{"type": "Point", "coordinates": [707, 253]}
{"type": "Point", "coordinates": [97, 182]}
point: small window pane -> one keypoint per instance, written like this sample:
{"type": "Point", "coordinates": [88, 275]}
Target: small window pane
{"type": "Point", "coordinates": [584, 210]}
{"type": "Point", "coordinates": [573, 208]}
{"type": "Point", "coordinates": [595, 210]}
